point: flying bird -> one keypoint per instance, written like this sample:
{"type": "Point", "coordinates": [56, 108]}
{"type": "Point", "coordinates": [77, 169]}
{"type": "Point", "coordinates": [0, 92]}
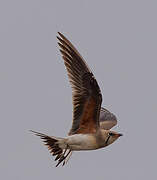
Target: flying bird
{"type": "Point", "coordinates": [91, 123]}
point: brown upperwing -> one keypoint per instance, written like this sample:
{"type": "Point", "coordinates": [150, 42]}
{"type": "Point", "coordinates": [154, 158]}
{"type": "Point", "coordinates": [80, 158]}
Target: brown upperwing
{"type": "Point", "coordinates": [87, 122]}
{"type": "Point", "coordinates": [86, 93]}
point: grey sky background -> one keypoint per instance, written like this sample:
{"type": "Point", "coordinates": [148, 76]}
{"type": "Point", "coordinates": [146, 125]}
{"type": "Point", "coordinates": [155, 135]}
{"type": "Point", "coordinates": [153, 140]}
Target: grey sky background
{"type": "Point", "coordinates": [118, 39]}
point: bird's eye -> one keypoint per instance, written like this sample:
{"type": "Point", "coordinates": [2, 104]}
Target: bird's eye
{"type": "Point", "coordinates": [111, 134]}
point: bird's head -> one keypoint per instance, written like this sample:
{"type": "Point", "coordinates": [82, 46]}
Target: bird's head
{"type": "Point", "coordinates": [111, 136]}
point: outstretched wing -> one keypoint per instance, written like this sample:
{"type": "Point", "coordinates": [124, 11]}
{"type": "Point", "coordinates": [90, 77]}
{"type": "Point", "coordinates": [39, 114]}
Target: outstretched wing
{"type": "Point", "coordinates": [107, 119]}
{"type": "Point", "coordinates": [86, 93]}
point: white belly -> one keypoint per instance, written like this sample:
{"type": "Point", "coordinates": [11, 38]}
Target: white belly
{"type": "Point", "coordinates": [79, 142]}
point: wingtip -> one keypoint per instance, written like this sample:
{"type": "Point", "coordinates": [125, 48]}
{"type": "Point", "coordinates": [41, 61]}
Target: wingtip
{"type": "Point", "coordinates": [58, 38]}
{"type": "Point", "coordinates": [61, 35]}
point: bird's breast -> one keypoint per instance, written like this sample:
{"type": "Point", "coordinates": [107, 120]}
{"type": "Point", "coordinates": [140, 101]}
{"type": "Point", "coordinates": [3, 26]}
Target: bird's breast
{"type": "Point", "coordinates": [79, 142]}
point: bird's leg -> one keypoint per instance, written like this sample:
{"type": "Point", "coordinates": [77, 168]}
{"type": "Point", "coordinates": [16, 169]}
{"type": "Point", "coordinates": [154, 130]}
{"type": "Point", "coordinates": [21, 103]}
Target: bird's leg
{"type": "Point", "coordinates": [66, 157]}
{"type": "Point", "coordinates": [65, 150]}
{"type": "Point", "coordinates": [62, 156]}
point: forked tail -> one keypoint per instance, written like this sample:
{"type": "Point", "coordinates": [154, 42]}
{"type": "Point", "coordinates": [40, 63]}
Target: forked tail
{"type": "Point", "coordinates": [53, 144]}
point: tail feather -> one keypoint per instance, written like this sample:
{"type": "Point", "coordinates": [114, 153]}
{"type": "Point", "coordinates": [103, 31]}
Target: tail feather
{"type": "Point", "coordinates": [53, 146]}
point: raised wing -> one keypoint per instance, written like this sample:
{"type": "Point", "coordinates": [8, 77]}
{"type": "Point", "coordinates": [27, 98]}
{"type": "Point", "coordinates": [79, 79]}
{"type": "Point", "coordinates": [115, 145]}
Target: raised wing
{"type": "Point", "coordinates": [107, 119]}
{"type": "Point", "coordinates": [86, 93]}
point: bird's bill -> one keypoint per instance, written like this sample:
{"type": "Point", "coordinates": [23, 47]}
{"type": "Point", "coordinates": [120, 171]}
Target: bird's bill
{"type": "Point", "coordinates": [119, 134]}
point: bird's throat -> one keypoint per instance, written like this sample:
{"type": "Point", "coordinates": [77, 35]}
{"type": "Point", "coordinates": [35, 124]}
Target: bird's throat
{"type": "Point", "coordinates": [107, 140]}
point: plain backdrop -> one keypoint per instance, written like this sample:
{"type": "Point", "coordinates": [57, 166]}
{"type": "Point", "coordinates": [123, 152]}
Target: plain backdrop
{"type": "Point", "coordinates": [118, 39]}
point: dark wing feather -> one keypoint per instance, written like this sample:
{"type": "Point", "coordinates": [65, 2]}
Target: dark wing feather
{"type": "Point", "coordinates": [107, 119]}
{"type": "Point", "coordinates": [51, 143]}
{"type": "Point", "coordinates": [86, 93]}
